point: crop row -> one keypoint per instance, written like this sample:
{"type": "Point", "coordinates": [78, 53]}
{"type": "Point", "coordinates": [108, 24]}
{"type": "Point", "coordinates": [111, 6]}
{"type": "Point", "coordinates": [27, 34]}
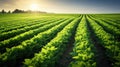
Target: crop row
{"type": "Point", "coordinates": [50, 53]}
{"type": "Point", "coordinates": [107, 40]}
{"type": "Point", "coordinates": [29, 47]}
{"type": "Point", "coordinates": [12, 33]}
{"type": "Point", "coordinates": [13, 23]}
{"type": "Point", "coordinates": [27, 35]}
{"type": "Point", "coordinates": [15, 27]}
{"type": "Point", "coordinates": [17, 24]}
{"type": "Point", "coordinates": [83, 51]}
{"type": "Point", "coordinates": [111, 28]}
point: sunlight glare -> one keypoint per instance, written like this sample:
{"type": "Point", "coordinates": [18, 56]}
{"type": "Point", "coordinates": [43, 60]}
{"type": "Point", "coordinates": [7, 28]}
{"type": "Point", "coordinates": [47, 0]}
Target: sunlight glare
{"type": "Point", "coordinates": [34, 7]}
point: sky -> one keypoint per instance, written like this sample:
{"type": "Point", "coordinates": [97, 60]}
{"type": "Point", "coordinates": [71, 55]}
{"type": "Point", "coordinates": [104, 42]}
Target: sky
{"type": "Point", "coordinates": [63, 6]}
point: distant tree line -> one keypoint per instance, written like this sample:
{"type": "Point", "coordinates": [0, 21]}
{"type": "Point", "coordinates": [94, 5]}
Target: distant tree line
{"type": "Point", "coordinates": [21, 11]}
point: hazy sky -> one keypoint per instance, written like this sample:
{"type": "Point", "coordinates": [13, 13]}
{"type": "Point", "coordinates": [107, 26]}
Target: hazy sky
{"type": "Point", "coordinates": [64, 6]}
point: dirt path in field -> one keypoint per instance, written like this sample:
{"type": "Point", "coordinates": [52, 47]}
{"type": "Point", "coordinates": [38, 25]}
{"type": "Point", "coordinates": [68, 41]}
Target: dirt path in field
{"type": "Point", "coordinates": [66, 58]}
{"type": "Point", "coordinates": [101, 58]}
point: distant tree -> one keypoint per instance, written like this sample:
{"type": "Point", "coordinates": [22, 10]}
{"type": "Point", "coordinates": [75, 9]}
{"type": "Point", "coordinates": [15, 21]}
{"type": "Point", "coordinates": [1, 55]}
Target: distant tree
{"type": "Point", "coordinates": [3, 11]}
{"type": "Point", "coordinates": [18, 11]}
{"type": "Point", "coordinates": [28, 11]}
{"type": "Point", "coordinates": [9, 11]}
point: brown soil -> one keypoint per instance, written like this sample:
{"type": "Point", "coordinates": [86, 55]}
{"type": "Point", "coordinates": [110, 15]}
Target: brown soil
{"type": "Point", "coordinates": [101, 58]}
{"type": "Point", "coordinates": [66, 58]}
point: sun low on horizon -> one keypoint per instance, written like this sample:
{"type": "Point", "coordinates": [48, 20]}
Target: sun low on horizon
{"type": "Point", "coordinates": [34, 7]}
{"type": "Point", "coordinates": [63, 6]}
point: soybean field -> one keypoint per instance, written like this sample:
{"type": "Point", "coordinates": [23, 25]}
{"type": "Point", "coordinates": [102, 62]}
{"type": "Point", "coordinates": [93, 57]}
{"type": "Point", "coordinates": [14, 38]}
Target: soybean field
{"type": "Point", "coordinates": [59, 40]}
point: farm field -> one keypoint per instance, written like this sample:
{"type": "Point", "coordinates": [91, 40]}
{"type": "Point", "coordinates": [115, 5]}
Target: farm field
{"type": "Point", "coordinates": [59, 40]}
